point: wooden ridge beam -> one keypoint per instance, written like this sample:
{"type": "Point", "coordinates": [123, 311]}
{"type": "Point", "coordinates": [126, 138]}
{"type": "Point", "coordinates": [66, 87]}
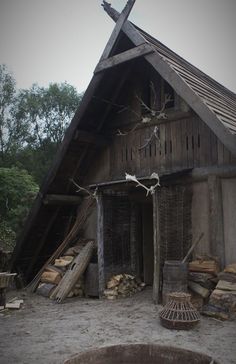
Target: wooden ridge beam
{"type": "Point", "coordinates": [51, 199]}
{"type": "Point", "coordinates": [123, 57]}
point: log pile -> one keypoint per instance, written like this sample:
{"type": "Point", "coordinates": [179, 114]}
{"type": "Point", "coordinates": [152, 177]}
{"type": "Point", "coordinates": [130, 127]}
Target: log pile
{"type": "Point", "coordinates": [123, 285]}
{"type": "Point", "coordinates": [202, 279]}
{"type": "Point", "coordinates": [223, 298]}
{"type": "Point", "coordinates": [54, 275]}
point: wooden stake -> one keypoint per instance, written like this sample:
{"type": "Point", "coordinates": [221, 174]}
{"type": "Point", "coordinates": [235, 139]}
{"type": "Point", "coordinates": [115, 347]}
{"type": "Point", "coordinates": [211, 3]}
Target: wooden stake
{"type": "Point", "coordinates": [156, 243]}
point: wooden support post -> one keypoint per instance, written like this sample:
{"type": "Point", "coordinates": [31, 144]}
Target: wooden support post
{"type": "Point", "coordinates": [216, 218]}
{"type": "Point", "coordinates": [157, 243]}
{"type": "Point", "coordinates": [100, 243]}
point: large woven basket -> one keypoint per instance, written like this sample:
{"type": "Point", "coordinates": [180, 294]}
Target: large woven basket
{"type": "Point", "coordinates": [179, 313]}
{"type": "Point", "coordinates": [6, 279]}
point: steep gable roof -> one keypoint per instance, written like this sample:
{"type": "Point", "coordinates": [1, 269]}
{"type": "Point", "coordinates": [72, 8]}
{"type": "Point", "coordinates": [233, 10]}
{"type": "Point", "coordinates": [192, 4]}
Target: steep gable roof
{"type": "Point", "coordinates": [214, 103]}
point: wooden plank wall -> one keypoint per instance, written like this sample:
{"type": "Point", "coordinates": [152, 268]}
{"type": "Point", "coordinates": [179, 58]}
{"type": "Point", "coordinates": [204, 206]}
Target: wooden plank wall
{"type": "Point", "coordinates": [184, 143]}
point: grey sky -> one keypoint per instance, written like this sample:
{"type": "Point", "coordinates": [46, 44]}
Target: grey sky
{"type": "Point", "coordinates": [61, 40]}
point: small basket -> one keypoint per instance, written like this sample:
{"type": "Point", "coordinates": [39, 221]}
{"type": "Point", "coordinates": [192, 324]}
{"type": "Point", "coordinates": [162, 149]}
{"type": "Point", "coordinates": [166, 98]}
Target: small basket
{"type": "Point", "coordinates": [6, 279]}
{"type": "Point", "coordinates": [179, 313]}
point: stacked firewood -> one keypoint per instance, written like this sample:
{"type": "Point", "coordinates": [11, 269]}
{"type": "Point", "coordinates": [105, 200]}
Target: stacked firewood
{"type": "Point", "coordinates": [202, 276]}
{"type": "Point", "coordinates": [123, 285]}
{"type": "Point", "coordinates": [54, 273]}
{"type": "Point", "coordinates": [222, 301]}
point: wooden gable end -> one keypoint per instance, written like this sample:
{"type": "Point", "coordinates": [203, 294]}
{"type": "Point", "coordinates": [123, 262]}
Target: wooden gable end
{"type": "Point", "coordinates": [183, 141]}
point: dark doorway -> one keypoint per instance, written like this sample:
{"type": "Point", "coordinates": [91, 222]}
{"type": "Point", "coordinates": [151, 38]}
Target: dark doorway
{"type": "Point", "coordinates": [128, 235]}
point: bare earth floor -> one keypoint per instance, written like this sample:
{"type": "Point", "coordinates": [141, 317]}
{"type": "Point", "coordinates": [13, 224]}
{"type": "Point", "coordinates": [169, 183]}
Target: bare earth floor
{"type": "Point", "coordinates": [46, 332]}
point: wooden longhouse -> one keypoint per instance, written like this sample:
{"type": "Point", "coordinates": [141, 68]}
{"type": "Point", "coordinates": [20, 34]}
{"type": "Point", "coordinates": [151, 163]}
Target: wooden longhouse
{"type": "Point", "coordinates": [146, 110]}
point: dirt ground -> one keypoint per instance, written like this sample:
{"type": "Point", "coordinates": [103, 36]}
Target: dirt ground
{"type": "Point", "coordinates": [46, 332]}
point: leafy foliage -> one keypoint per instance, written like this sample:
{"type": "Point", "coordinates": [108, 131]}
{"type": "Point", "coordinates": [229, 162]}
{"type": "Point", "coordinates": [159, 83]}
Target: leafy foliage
{"type": "Point", "coordinates": [7, 96]}
{"type": "Point", "coordinates": [32, 126]}
{"type": "Point", "coordinates": [48, 111]}
{"type": "Point", "coordinates": [17, 191]}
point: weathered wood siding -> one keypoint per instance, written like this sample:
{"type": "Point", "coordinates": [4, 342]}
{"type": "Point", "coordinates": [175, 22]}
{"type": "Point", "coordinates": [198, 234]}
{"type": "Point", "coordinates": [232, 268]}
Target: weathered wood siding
{"type": "Point", "coordinates": [184, 143]}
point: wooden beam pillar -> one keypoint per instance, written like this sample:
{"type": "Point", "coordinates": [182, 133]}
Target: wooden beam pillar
{"type": "Point", "coordinates": [100, 243]}
{"type": "Point", "coordinates": [157, 244]}
{"type": "Point", "coordinates": [216, 218]}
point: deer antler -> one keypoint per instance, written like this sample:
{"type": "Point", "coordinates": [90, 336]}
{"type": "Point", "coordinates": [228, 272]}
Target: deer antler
{"type": "Point", "coordinates": [150, 190]}
{"type": "Point", "coordinates": [94, 194]}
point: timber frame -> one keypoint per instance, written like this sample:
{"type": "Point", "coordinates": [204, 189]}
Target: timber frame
{"type": "Point", "coordinates": [91, 135]}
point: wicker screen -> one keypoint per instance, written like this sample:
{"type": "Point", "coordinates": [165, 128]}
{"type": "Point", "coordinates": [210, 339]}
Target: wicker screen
{"type": "Point", "coordinates": [175, 221]}
{"type": "Point", "coordinates": [117, 242]}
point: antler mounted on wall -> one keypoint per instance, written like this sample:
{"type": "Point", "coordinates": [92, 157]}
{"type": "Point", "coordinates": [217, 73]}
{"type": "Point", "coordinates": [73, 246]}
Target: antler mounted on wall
{"type": "Point", "coordinates": [151, 189]}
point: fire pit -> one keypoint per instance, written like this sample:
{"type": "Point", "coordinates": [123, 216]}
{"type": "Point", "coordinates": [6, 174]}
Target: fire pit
{"type": "Point", "coordinates": [140, 354]}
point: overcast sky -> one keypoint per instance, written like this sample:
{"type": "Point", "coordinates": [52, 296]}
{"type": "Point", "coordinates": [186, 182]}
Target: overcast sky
{"type": "Point", "coordinates": [43, 41]}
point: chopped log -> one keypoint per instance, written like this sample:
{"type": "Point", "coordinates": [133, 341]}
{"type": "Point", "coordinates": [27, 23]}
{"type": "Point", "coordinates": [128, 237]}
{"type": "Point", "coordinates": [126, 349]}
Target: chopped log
{"type": "Point", "coordinates": [14, 305]}
{"type": "Point", "coordinates": [76, 249]}
{"type": "Point", "coordinates": [112, 283]}
{"type": "Point", "coordinates": [63, 261]}
{"type": "Point", "coordinates": [204, 279]}
{"type": "Point", "coordinates": [229, 277]}
{"type": "Point", "coordinates": [123, 285]}
{"type": "Point", "coordinates": [45, 289]}
{"type": "Point", "coordinates": [226, 299]}
{"type": "Point", "coordinates": [53, 268]}
{"type": "Point", "coordinates": [215, 312]}
{"type": "Point", "coordinates": [197, 288]}
{"type": "Point", "coordinates": [226, 286]}
{"type": "Point", "coordinates": [230, 268]}
{"type": "Point", "coordinates": [204, 266]}
{"type": "Point", "coordinates": [51, 277]}
{"type": "Point", "coordinates": [75, 271]}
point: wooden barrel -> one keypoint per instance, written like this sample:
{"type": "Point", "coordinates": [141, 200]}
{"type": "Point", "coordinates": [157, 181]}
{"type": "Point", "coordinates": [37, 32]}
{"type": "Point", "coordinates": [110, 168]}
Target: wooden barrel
{"type": "Point", "coordinates": [175, 278]}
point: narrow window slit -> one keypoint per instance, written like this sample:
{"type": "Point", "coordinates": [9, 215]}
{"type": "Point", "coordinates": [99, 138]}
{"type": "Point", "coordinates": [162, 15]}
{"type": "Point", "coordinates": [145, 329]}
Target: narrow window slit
{"type": "Point", "coordinates": [165, 147]}
{"type": "Point", "coordinates": [186, 142]}
{"type": "Point", "coordinates": [150, 150]}
{"type": "Point", "coordinates": [192, 142]}
{"type": "Point", "coordinates": [198, 141]}
{"type": "Point", "coordinates": [170, 146]}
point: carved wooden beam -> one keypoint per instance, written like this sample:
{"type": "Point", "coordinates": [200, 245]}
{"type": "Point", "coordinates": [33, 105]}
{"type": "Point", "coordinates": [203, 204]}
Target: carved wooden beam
{"type": "Point", "coordinates": [123, 57]}
{"type": "Point", "coordinates": [119, 24]}
{"type": "Point", "coordinates": [51, 199]}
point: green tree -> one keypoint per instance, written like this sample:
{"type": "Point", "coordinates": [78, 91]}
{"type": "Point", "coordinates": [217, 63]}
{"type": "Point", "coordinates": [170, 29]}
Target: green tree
{"type": "Point", "coordinates": [7, 95]}
{"type": "Point", "coordinates": [17, 191]}
{"type": "Point", "coordinates": [48, 111]}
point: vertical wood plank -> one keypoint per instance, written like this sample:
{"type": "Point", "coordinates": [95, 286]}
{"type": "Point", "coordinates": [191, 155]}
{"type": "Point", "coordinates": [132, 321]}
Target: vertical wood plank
{"type": "Point", "coordinates": [100, 243]}
{"type": "Point", "coordinates": [216, 218]}
{"type": "Point", "coordinates": [156, 246]}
